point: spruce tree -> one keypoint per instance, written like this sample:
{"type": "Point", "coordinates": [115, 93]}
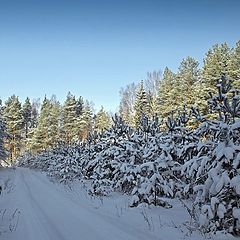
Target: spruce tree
{"type": "Point", "coordinates": [141, 105]}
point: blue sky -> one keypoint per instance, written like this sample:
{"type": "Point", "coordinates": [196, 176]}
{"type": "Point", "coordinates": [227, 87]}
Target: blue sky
{"type": "Point", "coordinates": [94, 47]}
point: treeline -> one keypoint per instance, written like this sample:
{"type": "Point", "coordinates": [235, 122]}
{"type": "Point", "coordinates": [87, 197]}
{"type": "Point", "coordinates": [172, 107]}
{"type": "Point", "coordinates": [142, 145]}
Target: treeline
{"type": "Point", "coordinates": [168, 93]}
{"type": "Point", "coordinates": [32, 127]}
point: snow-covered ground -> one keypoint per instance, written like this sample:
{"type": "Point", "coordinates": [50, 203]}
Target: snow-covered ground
{"type": "Point", "coordinates": [34, 208]}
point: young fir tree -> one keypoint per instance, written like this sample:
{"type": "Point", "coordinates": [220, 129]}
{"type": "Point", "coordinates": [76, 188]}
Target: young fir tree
{"type": "Point", "coordinates": [141, 105]}
{"type": "Point", "coordinates": [14, 120]}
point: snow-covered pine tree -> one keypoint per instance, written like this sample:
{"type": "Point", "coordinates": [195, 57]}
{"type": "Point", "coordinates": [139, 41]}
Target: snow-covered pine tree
{"type": "Point", "coordinates": [215, 170]}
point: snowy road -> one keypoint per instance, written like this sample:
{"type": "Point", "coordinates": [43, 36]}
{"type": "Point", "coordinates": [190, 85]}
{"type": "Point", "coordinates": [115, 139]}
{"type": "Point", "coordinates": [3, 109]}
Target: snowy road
{"type": "Point", "coordinates": [34, 208]}
{"type": "Point", "coordinates": [49, 214]}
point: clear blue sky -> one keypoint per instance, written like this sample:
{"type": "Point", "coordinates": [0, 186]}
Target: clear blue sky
{"type": "Point", "coordinates": [94, 47]}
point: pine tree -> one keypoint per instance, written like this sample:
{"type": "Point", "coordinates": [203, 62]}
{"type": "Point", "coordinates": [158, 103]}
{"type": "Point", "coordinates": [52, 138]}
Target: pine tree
{"type": "Point", "coordinates": [14, 120]}
{"type": "Point", "coordinates": [218, 62]}
{"type": "Point", "coordinates": [34, 114]}
{"type": "Point", "coordinates": [40, 136]}
{"type": "Point", "coordinates": [236, 65]}
{"type": "Point", "coordinates": [3, 135]}
{"type": "Point", "coordinates": [85, 122]}
{"type": "Point", "coordinates": [102, 120]}
{"type": "Point", "coordinates": [79, 106]}
{"type": "Point", "coordinates": [166, 98]}
{"type": "Point", "coordinates": [141, 105]}
{"type": "Point", "coordinates": [26, 113]}
{"type": "Point", "coordinates": [71, 109]}
{"type": "Point", "coordinates": [54, 122]}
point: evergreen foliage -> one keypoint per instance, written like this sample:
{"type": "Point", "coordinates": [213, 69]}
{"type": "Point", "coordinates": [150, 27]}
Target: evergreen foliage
{"type": "Point", "coordinates": [102, 120]}
{"type": "Point", "coordinates": [14, 121]}
{"type": "Point", "coordinates": [70, 118]}
{"type": "Point", "coordinates": [141, 105]}
{"type": "Point", "coordinates": [3, 136]}
{"type": "Point", "coordinates": [27, 114]}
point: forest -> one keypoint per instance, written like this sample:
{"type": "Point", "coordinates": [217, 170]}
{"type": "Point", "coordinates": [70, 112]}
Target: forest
{"type": "Point", "coordinates": [176, 135]}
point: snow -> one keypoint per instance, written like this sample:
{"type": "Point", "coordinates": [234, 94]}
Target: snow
{"type": "Point", "coordinates": [33, 207]}
{"type": "Point", "coordinates": [236, 213]}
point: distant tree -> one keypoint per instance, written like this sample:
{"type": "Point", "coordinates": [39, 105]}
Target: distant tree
{"type": "Point", "coordinates": [85, 121]}
{"type": "Point", "coordinates": [70, 117]}
{"type": "Point", "coordinates": [102, 120]}
{"type": "Point", "coordinates": [217, 62]}
{"type": "Point", "coordinates": [26, 113]}
{"type": "Point", "coordinates": [127, 99]}
{"type": "Point", "coordinates": [188, 75]}
{"type": "Point", "coordinates": [46, 134]}
{"type": "Point", "coordinates": [41, 136]}
{"type": "Point", "coordinates": [35, 112]}
{"type": "Point", "coordinates": [54, 122]}
{"type": "Point", "coordinates": [79, 106]}
{"type": "Point", "coordinates": [152, 83]}
{"type": "Point", "coordinates": [141, 104]}
{"type": "Point", "coordinates": [166, 93]}
{"type": "Point", "coordinates": [14, 121]}
{"type": "Point", "coordinates": [3, 135]}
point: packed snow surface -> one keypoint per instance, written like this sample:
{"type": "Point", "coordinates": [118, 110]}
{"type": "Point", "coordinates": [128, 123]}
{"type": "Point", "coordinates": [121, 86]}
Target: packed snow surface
{"type": "Point", "coordinates": [32, 207]}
